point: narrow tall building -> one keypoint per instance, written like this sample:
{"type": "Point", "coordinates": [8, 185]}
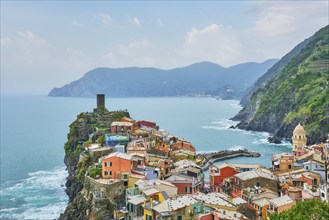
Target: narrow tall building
{"type": "Point", "coordinates": [299, 137]}
{"type": "Point", "coordinates": [100, 101]}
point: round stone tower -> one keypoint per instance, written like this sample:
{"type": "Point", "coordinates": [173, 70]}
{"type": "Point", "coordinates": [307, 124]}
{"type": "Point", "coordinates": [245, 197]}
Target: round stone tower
{"type": "Point", "coordinates": [299, 137]}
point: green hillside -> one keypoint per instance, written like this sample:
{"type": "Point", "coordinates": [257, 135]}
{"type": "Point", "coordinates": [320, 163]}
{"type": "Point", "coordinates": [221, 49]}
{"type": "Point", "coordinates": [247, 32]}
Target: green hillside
{"type": "Point", "coordinates": [299, 93]}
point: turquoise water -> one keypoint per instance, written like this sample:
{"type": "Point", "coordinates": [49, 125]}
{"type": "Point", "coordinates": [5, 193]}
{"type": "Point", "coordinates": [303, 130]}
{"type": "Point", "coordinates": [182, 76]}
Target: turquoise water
{"type": "Point", "coordinates": [34, 128]}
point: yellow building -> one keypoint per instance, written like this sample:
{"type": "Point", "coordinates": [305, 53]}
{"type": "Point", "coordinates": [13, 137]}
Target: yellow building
{"type": "Point", "coordinates": [299, 137]}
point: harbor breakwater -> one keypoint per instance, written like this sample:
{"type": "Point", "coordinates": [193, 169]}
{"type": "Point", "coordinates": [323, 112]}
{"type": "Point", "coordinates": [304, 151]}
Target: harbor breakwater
{"type": "Point", "coordinates": [207, 159]}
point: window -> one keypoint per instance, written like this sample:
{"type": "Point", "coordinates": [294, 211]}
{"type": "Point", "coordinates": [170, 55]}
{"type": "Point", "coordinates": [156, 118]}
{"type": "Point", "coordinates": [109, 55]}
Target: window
{"type": "Point", "coordinates": [179, 217]}
{"type": "Point", "coordinates": [148, 217]}
{"type": "Point", "coordinates": [108, 164]}
{"type": "Point", "coordinates": [289, 167]}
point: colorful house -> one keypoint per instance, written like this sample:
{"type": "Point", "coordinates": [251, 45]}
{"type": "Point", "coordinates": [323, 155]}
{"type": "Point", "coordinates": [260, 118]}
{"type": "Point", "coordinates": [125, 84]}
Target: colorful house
{"type": "Point", "coordinates": [116, 165]}
{"type": "Point", "coordinates": [119, 127]}
{"type": "Point", "coordinates": [116, 139]}
{"type": "Point", "coordinates": [218, 174]}
{"type": "Point", "coordinates": [183, 145]}
{"type": "Point", "coordinates": [280, 204]}
{"type": "Point", "coordinates": [186, 184]}
{"type": "Point", "coordinates": [149, 124]}
{"type": "Point", "coordinates": [259, 177]}
{"type": "Point", "coordinates": [181, 208]}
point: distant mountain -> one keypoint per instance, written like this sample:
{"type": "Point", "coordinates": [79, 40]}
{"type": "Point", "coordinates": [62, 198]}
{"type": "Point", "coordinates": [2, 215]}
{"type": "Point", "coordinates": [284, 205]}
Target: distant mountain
{"type": "Point", "coordinates": [299, 92]}
{"type": "Point", "coordinates": [144, 82]}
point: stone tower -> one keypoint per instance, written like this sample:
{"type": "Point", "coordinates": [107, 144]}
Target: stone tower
{"type": "Point", "coordinates": [299, 137]}
{"type": "Point", "coordinates": [100, 101]}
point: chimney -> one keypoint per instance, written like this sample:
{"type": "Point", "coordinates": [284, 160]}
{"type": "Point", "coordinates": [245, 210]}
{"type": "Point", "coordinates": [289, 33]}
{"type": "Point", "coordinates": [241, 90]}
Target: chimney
{"type": "Point", "coordinates": [100, 101]}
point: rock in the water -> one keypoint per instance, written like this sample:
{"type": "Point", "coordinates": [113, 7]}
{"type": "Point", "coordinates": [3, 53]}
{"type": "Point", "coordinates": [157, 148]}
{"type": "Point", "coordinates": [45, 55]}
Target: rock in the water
{"type": "Point", "coordinates": [274, 139]}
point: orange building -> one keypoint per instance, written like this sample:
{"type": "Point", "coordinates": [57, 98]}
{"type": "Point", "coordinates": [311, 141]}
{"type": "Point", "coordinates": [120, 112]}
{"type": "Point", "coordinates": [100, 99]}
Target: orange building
{"type": "Point", "coordinates": [116, 165]}
{"type": "Point", "coordinates": [183, 145]}
{"type": "Point", "coordinates": [218, 174]}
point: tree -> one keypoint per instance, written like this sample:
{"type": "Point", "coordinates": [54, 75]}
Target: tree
{"type": "Point", "coordinates": [312, 209]}
{"type": "Point", "coordinates": [101, 140]}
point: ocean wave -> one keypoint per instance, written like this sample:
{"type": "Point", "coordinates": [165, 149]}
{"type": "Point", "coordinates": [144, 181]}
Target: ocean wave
{"type": "Point", "coordinates": [40, 196]}
{"type": "Point", "coordinates": [236, 105]}
{"type": "Point", "coordinates": [214, 127]}
{"type": "Point", "coordinates": [226, 123]}
{"type": "Point", "coordinates": [236, 147]}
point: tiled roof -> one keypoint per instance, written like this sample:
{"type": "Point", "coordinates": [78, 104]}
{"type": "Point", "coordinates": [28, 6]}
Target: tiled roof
{"type": "Point", "coordinates": [175, 204]}
{"type": "Point", "coordinates": [255, 173]}
{"type": "Point", "coordinates": [118, 154]}
{"type": "Point", "coordinates": [136, 200]}
{"type": "Point", "coordinates": [150, 191]}
{"type": "Point", "coordinates": [280, 201]}
{"type": "Point", "coordinates": [238, 201]}
{"type": "Point", "coordinates": [120, 123]}
{"type": "Point", "coordinates": [262, 202]}
{"type": "Point", "coordinates": [226, 214]}
{"type": "Point", "coordinates": [211, 198]}
{"type": "Point", "coordinates": [181, 179]}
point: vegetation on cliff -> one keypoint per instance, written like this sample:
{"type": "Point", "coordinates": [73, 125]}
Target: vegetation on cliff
{"type": "Point", "coordinates": [82, 131]}
{"type": "Point", "coordinates": [299, 93]}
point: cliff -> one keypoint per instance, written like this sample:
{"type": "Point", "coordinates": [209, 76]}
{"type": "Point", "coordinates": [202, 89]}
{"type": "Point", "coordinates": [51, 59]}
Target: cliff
{"type": "Point", "coordinates": [81, 204]}
{"type": "Point", "coordinates": [297, 93]}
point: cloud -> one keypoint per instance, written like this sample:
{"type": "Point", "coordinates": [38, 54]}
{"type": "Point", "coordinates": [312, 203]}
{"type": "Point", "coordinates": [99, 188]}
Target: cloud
{"type": "Point", "coordinates": [135, 53]}
{"type": "Point", "coordinates": [214, 43]}
{"type": "Point", "coordinates": [5, 41]}
{"type": "Point", "coordinates": [29, 39]}
{"type": "Point", "coordinates": [105, 18]}
{"type": "Point", "coordinates": [277, 19]}
{"type": "Point", "coordinates": [135, 21]}
{"type": "Point", "coordinates": [160, 22]}
{"type": "Point", "coordinates": [76, 23]}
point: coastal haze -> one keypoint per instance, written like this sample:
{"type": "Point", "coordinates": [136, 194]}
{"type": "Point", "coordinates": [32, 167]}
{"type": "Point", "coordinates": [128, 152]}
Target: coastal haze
{"type": "Point", "coordinates": [183, 65]}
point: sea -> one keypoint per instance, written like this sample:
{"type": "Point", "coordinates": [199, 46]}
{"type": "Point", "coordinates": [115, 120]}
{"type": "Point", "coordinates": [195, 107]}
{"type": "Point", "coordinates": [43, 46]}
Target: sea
{"type": "Point", "coordinates": [34, 130]}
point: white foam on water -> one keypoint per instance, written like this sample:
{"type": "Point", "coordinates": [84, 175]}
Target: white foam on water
{"type": "Point", "coordinates": [236, 105]}
{"type": "Point", "coordinates": [40, 196]}
{"type": "Point", "coordinates": [236, 147]}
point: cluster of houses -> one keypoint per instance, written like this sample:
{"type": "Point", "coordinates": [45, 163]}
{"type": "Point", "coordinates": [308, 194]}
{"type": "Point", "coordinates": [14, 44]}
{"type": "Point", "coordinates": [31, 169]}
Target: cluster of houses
{"type": "Point", "coordinates": [162, 177]}
{"type": "Point", "coordinates": [294, 176]}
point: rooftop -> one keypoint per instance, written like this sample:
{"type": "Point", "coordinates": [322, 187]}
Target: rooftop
{"type": "Point", "coordinates": [118, 154]}
{"type": "Point", "coordinates": [175, 204]}
{"type": "Point", "coordinates": [262, 202]}
{"type": "Point", "coordinates": [136, 200]}
{"type": "Point", "coordinates": [120, 123]}
{"type": "Point", "coordinates": [212, 198]}
{"type": "Point", "coordinates": [280, 201]}
{"type": "Point", "coordinates": [255, 173]}
{"type": "Point", "coordinates": [225, 214]}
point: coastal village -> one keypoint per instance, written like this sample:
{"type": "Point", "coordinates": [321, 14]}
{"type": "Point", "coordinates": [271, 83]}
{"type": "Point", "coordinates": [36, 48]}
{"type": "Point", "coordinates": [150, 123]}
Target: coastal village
{"type": "Point", "coordinates": [161, 176]}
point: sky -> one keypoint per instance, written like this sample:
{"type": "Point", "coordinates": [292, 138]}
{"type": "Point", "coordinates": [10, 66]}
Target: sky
{"type": "Point", "coordinates": [47, 44]}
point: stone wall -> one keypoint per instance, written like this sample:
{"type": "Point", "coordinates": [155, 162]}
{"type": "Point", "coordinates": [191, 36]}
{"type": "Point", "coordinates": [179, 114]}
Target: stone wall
{"type": "Point", "coordinates": [263, 182]}
{"type": "Point", "coordinates": [111, 189]}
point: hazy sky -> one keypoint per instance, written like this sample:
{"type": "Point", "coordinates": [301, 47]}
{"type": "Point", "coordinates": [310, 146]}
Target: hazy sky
{"type": "Point", "coordinates": [48, 44]}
